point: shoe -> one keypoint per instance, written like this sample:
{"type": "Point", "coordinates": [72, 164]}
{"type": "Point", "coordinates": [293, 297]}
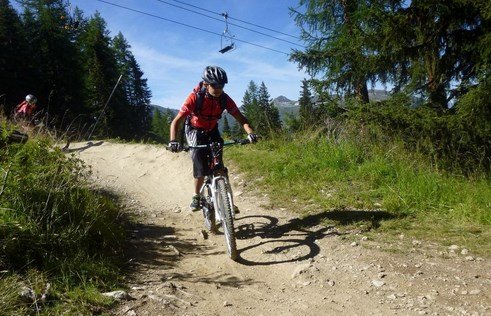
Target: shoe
{"type": "Point", "coordinates": [195, 203]}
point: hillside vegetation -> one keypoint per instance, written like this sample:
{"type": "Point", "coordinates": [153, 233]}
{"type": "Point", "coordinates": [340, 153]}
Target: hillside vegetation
{"type": "Point", "coordinates": [346, 178]}
{"type": "Point", "coordinates": [60, 240]}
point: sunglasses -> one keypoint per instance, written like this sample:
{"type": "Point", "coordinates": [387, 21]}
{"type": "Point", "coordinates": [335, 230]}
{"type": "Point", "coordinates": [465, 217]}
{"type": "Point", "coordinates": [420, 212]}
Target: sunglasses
{"type": "Point", "coordinates": [217, 86]}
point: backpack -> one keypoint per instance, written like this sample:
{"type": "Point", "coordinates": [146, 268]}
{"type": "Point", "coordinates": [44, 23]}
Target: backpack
{"type": "Point", "coordinates": [200, 98]}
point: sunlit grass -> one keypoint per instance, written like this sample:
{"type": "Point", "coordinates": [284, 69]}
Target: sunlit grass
{"type": "Point", "coordinates": [317, 174]}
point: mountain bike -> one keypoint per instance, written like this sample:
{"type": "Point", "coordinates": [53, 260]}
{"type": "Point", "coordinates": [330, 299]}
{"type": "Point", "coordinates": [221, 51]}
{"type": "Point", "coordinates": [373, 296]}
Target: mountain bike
{"type": "Point", "coordinates": [216, 194]}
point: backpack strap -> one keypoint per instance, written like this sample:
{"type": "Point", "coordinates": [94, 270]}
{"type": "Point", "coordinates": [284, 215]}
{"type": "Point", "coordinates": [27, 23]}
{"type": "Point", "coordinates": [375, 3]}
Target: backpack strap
{"type": "Point", "coordinates": [200, 99]}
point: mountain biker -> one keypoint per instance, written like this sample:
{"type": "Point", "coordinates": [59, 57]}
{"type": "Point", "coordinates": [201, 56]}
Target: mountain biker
{"type": "Point", "coordinates": [202, 123]}
{"type": "Point", "coordinates": [27, 107]}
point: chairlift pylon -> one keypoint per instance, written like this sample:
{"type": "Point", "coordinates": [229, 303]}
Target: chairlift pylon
{"type": "Point", "coordinates": [227, 39]}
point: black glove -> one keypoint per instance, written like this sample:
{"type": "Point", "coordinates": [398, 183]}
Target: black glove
{"type": "Point", "coordinates": [252, 137]}
{"type": "Point", "coordinates": [174, 146]}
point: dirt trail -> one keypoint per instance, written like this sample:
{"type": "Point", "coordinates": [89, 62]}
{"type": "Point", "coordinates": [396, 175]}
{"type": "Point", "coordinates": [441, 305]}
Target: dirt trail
{"type": "Point", "coordinates": [287, 266]}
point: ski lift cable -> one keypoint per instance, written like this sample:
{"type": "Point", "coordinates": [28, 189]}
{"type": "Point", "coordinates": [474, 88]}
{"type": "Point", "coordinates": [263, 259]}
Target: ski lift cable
{"type": "Point", "coordinates": [240, 26]}
{"type": "Point", "coordinates": [190, 26]}
{"type": "Point", "coordinates": [242, 21]}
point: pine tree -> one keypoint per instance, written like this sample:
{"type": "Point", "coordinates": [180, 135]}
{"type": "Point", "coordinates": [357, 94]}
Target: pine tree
{"type": "Point", "coordinates": [435, 49]}
{"type": "Point", "coordinates": [259, 109]}
{"type": "Point", "coordinates": [269, 117]}
{"type": "Point", "coordinates": [236, 131]}
{"type": "Point", "coordinates": [336, 46]}
{"type": "Point", "coordinates": [226, 132]}
{"type": "Point", "coordinates": [250, 103]}
{"type": "Point", "coordinates": [135, 88]}
{"type": "Point", "coordinates": [12, 58]}
{"type": "Point", "coordinates": [160, 124]}
{"type": "Point", "coordinates": [306, 112]}
{"type": "Point", "coordinates": [54, 71]}
{"type": "Point", "coordinates": [101, 77]}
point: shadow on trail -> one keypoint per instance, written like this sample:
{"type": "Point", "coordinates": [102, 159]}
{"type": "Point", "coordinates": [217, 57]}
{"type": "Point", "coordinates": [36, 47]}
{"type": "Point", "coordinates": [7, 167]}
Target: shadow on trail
{"type": "Point", "coordinates": [149, 246]}
{"type": "Point", "coordinates": [154, 245]}
{"type": "Point", "coordinates": [158, 247]}
{"type": "Point", "coordinates": [217, 279]}
{"type": "Point", "coordinates": [80, 149]}
{"type": "Point", "coordinates": [296, 240]}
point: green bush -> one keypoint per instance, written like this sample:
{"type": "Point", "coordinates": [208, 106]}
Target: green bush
{"type": "Point", "coordinates": [458, 140]}
{"type": "Point", "coordinates": [51, 221]}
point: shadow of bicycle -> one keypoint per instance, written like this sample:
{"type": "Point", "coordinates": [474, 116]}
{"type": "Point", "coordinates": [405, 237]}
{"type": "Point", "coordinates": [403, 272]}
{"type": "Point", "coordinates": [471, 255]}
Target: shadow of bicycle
{"type": "Point", "coordinates": [296, 239]}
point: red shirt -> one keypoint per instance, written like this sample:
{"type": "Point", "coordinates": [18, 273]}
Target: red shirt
{"type": "Point", "coordinates": [210, 110]}
{"type": "Point", "coordinates": [25, 108]}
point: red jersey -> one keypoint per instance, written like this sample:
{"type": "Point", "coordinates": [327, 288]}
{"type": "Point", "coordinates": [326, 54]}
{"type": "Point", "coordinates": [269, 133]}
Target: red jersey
{"type": "Point", "coordinates": [211, 110]}
{"type": "Point", "coordinates": [25, 108]}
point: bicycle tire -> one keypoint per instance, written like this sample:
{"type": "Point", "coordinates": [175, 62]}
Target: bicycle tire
{"type": "Point", "coordinates": [225, 206]}
{"type": "Point", "coordinates": [208, 210]}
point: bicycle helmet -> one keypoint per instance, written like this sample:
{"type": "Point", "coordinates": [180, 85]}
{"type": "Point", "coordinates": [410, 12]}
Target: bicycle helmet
{"type": "Point", "coordinates": [215, 75]}
{"type": "Point", "coordinates": [31, 99]}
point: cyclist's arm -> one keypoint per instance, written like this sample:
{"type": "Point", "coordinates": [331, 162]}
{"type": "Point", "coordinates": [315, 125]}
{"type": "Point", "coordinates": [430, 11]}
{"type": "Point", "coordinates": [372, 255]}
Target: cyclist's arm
{"type": "Point", "coordinates": [244, 122]}
{"type": "Point", "coordinates": [175, 125]}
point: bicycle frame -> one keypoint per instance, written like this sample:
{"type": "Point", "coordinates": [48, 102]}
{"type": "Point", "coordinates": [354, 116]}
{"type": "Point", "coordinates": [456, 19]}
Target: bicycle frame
{"type": "Point", "coordinates": [217, 188]}
{"type": "Point", "coordinates": [219, 172]}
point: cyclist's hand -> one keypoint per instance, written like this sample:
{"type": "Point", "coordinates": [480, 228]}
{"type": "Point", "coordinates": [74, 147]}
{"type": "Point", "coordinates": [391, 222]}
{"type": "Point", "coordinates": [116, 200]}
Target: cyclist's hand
{"type": "Point", "coordinates": [252, 137]}
{"type": "Point", "coordinates": [174, 146]}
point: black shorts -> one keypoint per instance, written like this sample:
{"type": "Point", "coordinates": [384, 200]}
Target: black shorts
{"type": "Point", "coordinates": [201, 156]}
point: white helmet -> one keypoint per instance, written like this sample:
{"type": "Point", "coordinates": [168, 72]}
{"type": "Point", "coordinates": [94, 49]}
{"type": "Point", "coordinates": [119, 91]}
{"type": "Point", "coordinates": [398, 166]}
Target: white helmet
{"type": "Point", "coordinates": [31, 99]}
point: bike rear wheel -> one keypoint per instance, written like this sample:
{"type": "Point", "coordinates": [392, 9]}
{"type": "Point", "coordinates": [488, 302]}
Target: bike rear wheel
{"type": "Point", "coordinates": [225, 208]}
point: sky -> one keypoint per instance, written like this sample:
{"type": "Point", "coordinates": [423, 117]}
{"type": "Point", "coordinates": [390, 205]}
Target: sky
{"type": "Point", "coordinates": [172, 55]}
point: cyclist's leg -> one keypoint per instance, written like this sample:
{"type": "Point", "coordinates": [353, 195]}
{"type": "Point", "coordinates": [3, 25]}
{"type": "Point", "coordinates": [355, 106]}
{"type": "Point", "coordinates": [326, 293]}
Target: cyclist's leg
{"type": "Point", "coordinates": [198, 183]}
{"type": "Point", "coordinates": [199, 158]}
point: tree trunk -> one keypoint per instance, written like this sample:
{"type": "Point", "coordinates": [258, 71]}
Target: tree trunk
{"type": "Point", "coordinates": [361, 92]}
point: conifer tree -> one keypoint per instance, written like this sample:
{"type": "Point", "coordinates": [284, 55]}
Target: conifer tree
{"type": "Point", "coordinates": [336, 46]}
{"type": "Point", "coordinates": [12, 59]}
{"type": "Point", "coordinates": [306, 112]}
{"type": "Point", "coordinates": [260, 110]}
{"type": "Point", "coordinates": [250, 105]}
{"type": "Point", "coordinates": [434, 49]}
{"type": "Point", "coordinates": [226, 132]}
{"type": "Point", "coordinates": [135, 88]}
{"type": "Point", "coordinates": [268, 114]}
{"type": "Point", "coordinates": [54, 71]}
{"type": "Point", "coordinates": [101, 77]}
{"type": "Point", "coordinates": [160, 125]}
{"type": "Point", "coordinates": [235, 130]}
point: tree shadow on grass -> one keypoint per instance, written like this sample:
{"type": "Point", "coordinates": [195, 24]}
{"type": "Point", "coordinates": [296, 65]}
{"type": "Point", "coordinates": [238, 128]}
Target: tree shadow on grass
{"type": "Point", "coordinates": [346, 217]}
{"type": "Point", "coordinates": [298, 235]}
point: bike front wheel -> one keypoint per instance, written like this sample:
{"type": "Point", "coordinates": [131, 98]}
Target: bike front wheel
{"type": "Point", "coordinates": [225, 208]}
{"type": "Point", "coordinates": [208, 210]}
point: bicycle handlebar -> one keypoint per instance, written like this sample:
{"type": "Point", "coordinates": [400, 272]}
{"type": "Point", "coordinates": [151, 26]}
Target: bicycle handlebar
{"type": "Point", "coordinates": [227, 143]}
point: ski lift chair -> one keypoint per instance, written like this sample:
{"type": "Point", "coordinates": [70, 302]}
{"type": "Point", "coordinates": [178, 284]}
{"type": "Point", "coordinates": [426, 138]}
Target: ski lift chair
{"type": "Point", "coordinates": [226, 40]}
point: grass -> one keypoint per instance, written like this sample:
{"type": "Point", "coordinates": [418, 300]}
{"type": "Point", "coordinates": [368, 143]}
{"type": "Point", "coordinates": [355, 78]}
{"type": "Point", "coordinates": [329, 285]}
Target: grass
{"type": "Point", "coordinates": [58, 236]}
{"type": "Point", "coordinates": [336, 176]}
